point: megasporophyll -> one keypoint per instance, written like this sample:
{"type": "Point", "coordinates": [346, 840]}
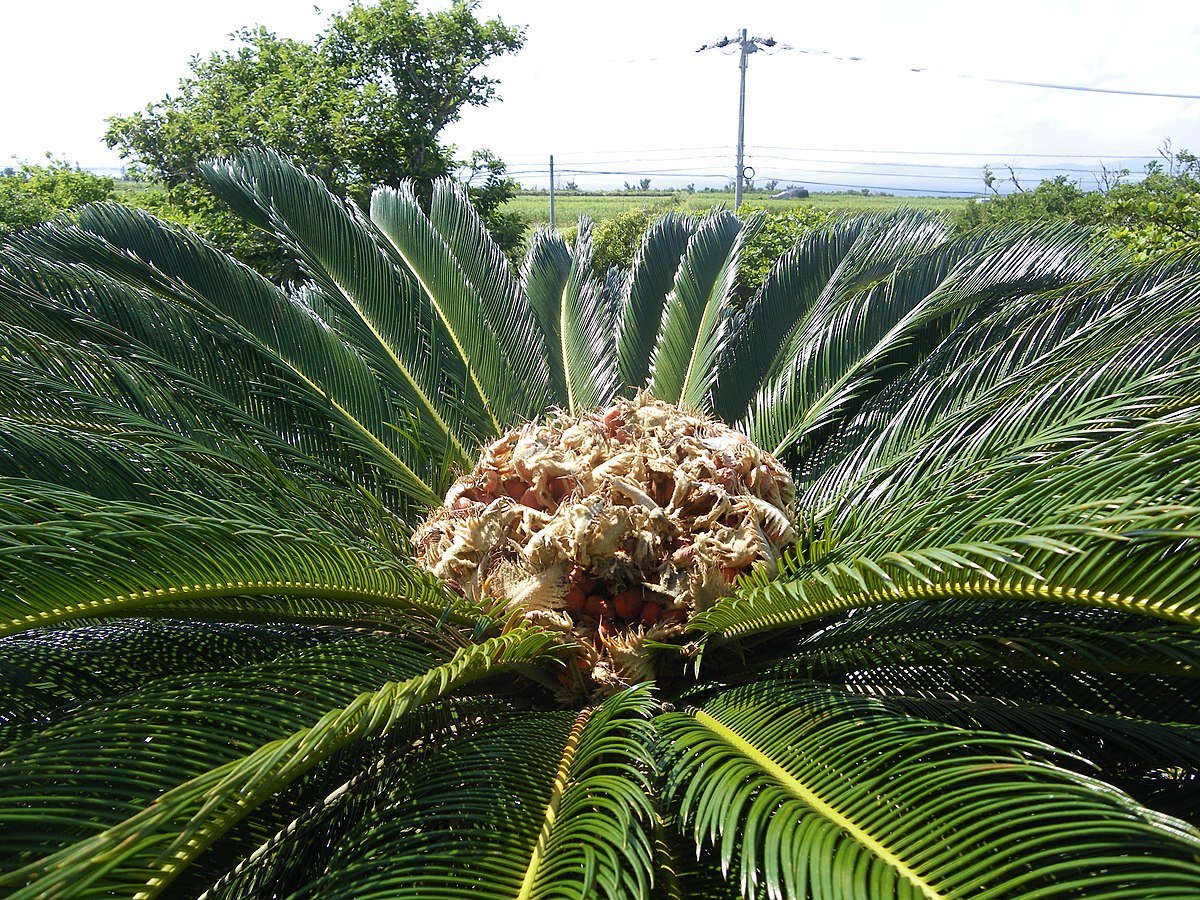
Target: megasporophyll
{"type": "Point", "coordinates": [612, 527]}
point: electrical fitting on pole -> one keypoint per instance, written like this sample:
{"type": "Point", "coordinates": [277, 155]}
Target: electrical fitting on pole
{"type": "Point", "coordinates": [746, 45]}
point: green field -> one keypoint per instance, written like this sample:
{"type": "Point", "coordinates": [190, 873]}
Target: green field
{"type": "Point", "coordinates": [534, 208]}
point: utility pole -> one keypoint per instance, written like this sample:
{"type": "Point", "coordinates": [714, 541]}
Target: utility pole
{"type": "Point", "coordinates": [746, 45]}
{"type": "Point", "coordinates": [741, 145]}
{"type": "Point", "coordinates": [551, 191]}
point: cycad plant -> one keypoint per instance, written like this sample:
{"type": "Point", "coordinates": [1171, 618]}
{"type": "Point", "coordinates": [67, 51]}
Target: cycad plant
{"type": "Point", "coordinates": [958, 659]}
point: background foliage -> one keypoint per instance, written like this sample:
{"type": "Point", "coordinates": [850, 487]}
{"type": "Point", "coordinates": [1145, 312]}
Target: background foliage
{"type": "Point", "coordinates": [1157, 214]}
{"type": "Point", "coordinates": [615, 240]}
{"type": "Point", "coordinates": [361, 105]}
{"type": "Point", "coordinates": [31, 194]}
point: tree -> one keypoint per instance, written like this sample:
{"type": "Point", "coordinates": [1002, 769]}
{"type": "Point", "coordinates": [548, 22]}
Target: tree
{"type": "Point", "coordinates": [362, 105]}
{"type": "Point", "coordinates": [952, 654]}
{"type": "Point", "coordinates": [32, 194]}
{"type": "Point", "coordinates": [490, 189]}
{"type": "Point", "coordinates": [1156, 215]}
{"type": "Point", "coordinates": [1160, 213]}
{"type": "Point", "coordinates": [989, 179]}
{"type": "Point", "coordinates": [1054, 199]}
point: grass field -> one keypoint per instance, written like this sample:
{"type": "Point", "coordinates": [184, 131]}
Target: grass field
{"type": "Point", "coordinates": [568, 207]}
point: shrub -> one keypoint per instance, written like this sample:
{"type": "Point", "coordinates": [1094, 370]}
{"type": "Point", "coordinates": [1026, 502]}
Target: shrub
{"type": "Point", "coordinates": [32, 194]}
{"type": "Point", "coordinates": [779, 232]}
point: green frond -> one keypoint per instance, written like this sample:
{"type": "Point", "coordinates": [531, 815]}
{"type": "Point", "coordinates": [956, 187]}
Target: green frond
{"type": "Point", "coordinates": [85, 767]}
{"type": "Point", "coordinates": [145, 851]}
{"type": "Point", "coordinates": [1026, 566]}
{"type": "Point", "coordinates": [315, 812]}
{"type": "Point", "coordinates": [544, 275]}
{"type": "Point", "coordinates": [1012, 636]}
{"type": "Point", "coordinates": [595, 832]}
{"type": "Point", "coordinates": [851, 345]}
{"type": "Point", "coordinates": [65, 555]}
{"type": "Point", "coordinates": [799, 280]}
{"type": "Point", "coordinates": [279, 364]}
{"type": "Point", "coordinates": [1085, 678]}
{"type": "Point", "coordinates": [1123, 751]}
{"type": "Point", "coordinates": [537, 805]}
{"type": "Point", "coordinates": [1121, 690]}
{"type": "Point", "coordinates": [974, 675]}
{"type": "Point", "coordinates": [121, 428]}
{"type": "Point", "coordinates": [503, 303]}
{"type": "Point", "coordinates": [695, 322]}
{"type": "Point", "coordinates": [1138, 732]}
{"type": "Point", "coordinates": [655, 266]}
{"type": "Point", "coordinates": [46, 669]}
{"type": "Point", "coordinates": [481, 321]}
{"type": "Point", "coordinates": [1098, 510]}
{"type": "Point", "coordinates": [901, 807]}
{"type": "Point", "coordinates": [585, 331]}
{"type": "Point", "coordinates": [685, 872]}
{"type": "Point", "coordinates": [455, 627]}
{"type": "Point", "coordinates": [383, 308]}
{"type": "Point", "coordinates": [1145, 697]}
{"type": "Point", "coordinates": [1038, 365]}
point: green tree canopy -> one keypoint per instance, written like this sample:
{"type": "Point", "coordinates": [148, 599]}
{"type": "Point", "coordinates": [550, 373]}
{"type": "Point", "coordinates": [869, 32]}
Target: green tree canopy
{"type": "Point", "coordinates": [1162, 211]}
{"type": "Point", "coordinates": [31, 194]}
{"type": "Point", "coordinates": [1157, 214]}
{"type": "Point", "coordinates": [361, 105]}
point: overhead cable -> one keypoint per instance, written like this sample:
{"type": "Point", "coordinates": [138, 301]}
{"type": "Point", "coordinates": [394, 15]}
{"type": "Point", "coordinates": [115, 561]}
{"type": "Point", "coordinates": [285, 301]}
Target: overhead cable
{"type": "Point", "coordinates": [1045, 85]}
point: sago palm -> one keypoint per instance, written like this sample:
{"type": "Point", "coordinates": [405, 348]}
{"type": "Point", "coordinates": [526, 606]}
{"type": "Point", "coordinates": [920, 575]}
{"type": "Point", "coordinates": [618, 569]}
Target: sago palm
{"type": "Point", "coordinates": [425, 579]}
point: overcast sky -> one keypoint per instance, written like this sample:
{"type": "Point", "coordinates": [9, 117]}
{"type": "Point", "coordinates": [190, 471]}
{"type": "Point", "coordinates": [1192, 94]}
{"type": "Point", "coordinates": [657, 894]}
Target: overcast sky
{"type": "Point", "coordinates": [618, 87]}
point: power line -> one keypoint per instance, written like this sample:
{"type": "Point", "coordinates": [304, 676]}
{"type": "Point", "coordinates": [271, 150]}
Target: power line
{"type": "Point", "coordinates": [640, 159]}
{"type": "Point", "coordinates": [703, 173]}
{"type": "Point", "coordinates": [1045, 85]}
{"type": "Point", "coordinates": [923, 180]}
{"type": "Point", "coordinates": [1011, 155]}
{"type": "Point", "coordinates": [681, 173]}
{"type": "Point", "coordinates": [707, 173]}
{"type": "Point", "coordinates": [784, 177]}
{"type": "Point", "coordinates": [1076, 87]}
{"type": "Point", "coordinates": [593, 151]}
{"type": "Point", "coordinates": [641, 154]}
{"type": "Point", "coordinates": [937, 170]}
{"type": "Point", "coordinates": [938, 167]}
{"type": "Point", "coordinates": [922, 175]}
{"type": "Point", "coordinates": [729, 48]}
{"type": "Point", "coordinates": [884, 187]}
{"type": "Point", "coordinates": [759, 157]}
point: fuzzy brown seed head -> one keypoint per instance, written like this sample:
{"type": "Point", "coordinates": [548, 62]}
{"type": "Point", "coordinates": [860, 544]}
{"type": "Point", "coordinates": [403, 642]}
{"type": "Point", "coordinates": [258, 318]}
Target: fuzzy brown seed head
{"type": "Point", "coordinates": [611, 527]}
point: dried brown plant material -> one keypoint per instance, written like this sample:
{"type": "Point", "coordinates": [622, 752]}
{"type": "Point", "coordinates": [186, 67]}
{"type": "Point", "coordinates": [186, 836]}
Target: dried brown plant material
{"type": "Point", "coordinates": [611, 527]}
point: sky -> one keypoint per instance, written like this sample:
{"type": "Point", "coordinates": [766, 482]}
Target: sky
{"type": "Point", "coordinates": [616, 91]}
